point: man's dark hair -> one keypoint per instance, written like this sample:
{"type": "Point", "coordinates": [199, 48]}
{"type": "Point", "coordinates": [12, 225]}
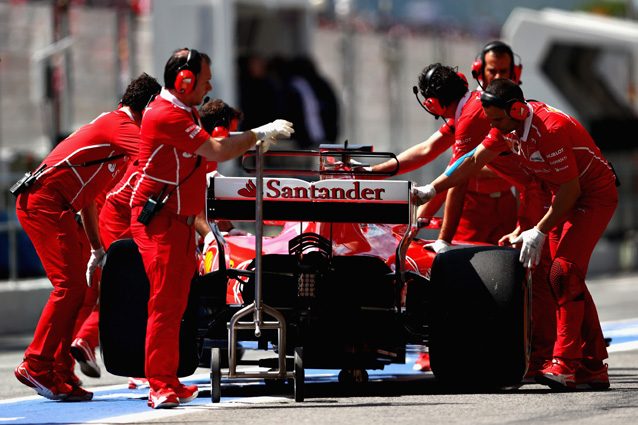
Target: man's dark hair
{"type": "Point", "coordinates": [140, 91]}
{"type": "Point", "coordinates": [498, 48]}
{"type": "Point", "coordinates": [501, 93]}
{"type": "Point", "coordinates": [178, 61]}
{"type": "Point", "coordinates": [217, 113]}
{"type": "Point", "coordinates": [443, 83]}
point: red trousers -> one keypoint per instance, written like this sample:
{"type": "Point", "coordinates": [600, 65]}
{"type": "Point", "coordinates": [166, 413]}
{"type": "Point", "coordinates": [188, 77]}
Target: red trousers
{"type": "Point", "coordinates": [115, 222]}
{"type": "Point", "coordinates": [486, 218]}
{"type": "Point", "coordinates": [167, 246]}
{"type": "Point", "coordinates": [543, 314]}
{"type": "Point", "coordinates": [579, 335]}
{"type": "Point", "coordinates": [63, 249]}
{"type": "Point", "coordinates": [87, 324]}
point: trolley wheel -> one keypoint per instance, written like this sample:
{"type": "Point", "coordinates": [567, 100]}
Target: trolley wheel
{"type": "Point", "coordinates": [299, 375]}
{"type": "Point", "coordinates": [215, 374]}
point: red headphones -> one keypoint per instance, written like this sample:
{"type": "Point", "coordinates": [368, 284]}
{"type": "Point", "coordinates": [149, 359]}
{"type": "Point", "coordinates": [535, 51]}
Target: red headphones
{"type": "Point", "coordinates": [478, 67]}
{"type": "Point", "coordinates": [220, 131]}
{"type": "Point", "coordinates": [186, 79]}
{"type": "Point", "coordinates": [432, 104]}
{"type": "Point", "coordinates": [515, 108]}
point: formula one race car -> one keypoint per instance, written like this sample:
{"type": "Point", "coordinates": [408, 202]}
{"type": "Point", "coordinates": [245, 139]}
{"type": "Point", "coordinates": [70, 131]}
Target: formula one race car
{"type": "Point", "coordinates": [345, 285]}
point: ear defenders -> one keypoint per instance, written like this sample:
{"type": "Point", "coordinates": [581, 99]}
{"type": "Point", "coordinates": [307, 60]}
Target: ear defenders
{"type": "Point", "coordinates": [432, 104]}
{"type": "Point", "coordinates": [478, 66]}
{"type": "Point", "coordinates": [186, 79]}
{"type": "Point", "coordinates": [515, 108]}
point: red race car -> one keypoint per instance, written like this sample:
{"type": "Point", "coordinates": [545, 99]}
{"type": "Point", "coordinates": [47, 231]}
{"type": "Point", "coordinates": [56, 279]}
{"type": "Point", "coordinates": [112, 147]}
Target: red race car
{"type": "Point", "coordinates": [346, 284]}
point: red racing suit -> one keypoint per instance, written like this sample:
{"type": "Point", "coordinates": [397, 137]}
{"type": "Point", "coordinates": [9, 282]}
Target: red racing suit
{"type": "Point", "coordinates": [68, 182]}
{"type": "Point", "coordinates": [557, 149]}
{"type": "Point", "coordinates": [490, 207]}
{"type": "Point", "coordinates": [498, 214]}
{"type": "Point", "coordinates": [168, 167]}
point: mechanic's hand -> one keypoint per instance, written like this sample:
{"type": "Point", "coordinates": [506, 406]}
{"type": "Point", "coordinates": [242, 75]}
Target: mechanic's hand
{"type": "Point", "coordinates": [533, 240]}
{"type": "Point", "coordinates": [273, 130]}
{"type": "Point", "coordinates": [423, 193]}
{"type": "Point", "coordinates": [208, 239]}
{"type": "Point", "coordinates": [98, 257]}
{"type": "Point", "coordinates": [438, 246]}
{"type": "Point", "coordinates": [508, 240]}
{"type": "Point", "coordinates": [266, 143]}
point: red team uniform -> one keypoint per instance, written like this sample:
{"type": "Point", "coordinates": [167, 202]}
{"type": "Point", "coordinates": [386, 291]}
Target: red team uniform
{"type": "Point", "coordinates": [73, 175]}
{"type": "Point", "coordinates": [496, 216]}
{"type": "Point", "coordinates": [168, 165]}
{"type": "Point", "coordinates": [489, 209]}
{"type": "Point", "coordinates": [556, 149]}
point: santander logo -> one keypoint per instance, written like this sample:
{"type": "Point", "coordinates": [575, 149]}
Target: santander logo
{"type": "Point", "coordinates": [250, 191]}
{"type": "Point", "coordinates": [297, 190]}
{"type": "Point", "coordinates": [350, 191]}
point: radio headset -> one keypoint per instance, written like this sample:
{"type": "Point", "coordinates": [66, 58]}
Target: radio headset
{"type": "Point", "coordinates": [432, 105]}
{"type": "Point", "coordinates": [186, 77]}
{"type": "Point", "coordinates": [478, 66]}
{"type": "Point", "coordinates": [515, 108]}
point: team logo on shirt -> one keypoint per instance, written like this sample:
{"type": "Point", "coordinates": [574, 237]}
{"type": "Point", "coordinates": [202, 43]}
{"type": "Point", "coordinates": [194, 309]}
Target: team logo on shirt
{"type": "Point", "coordinates": [111, 168]}
{"type": "Point", "coordinates": [193, 130]}
{"type": "Point", "coordinates": [536, 157]}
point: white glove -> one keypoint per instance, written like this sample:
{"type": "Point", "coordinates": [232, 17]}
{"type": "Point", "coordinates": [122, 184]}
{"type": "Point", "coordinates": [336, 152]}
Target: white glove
{"type": "Point", "coordinates": [208, 239]}
{"type": "Point", "coordinates": [438, 246]}
{"type": "Point", "coordinates": [533, 240]}
{"type": "Point", "coordinates": [274, 130]}
{"type": "Point", "coordinates": [424, 193]}
{"type": "Point", "coordinates": [98, 257]}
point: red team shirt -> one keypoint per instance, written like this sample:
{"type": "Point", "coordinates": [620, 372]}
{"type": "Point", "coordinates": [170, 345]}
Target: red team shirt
{"type": "Point", "coordinates": [556, 148]}
{"type": "Point", "coordinates": [471, 127]}
{"type": "Point", "coordinates": [109, 135]}
{"type": "Point", "coordinates": [171, 134]}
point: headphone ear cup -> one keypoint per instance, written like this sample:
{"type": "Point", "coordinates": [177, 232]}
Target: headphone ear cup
{"type": "Point", "coordinates": [477, 67]}
{"type": "Point", "coordinates": [519, 111]}
{"type": "Point", "coordinates": [220, 131]}
{"type": "Point", "coordinates": [185, 81]}
{"type": "Point", "coordinates": [434, 106]}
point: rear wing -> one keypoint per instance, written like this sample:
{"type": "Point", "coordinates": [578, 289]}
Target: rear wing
{"type": "Point", "coordinates": [328, 201]}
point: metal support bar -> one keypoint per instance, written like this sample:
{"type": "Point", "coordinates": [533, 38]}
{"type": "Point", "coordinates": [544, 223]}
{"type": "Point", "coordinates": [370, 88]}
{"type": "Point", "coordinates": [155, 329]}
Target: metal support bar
{"type": "Point", "coordinates": [257, 308]}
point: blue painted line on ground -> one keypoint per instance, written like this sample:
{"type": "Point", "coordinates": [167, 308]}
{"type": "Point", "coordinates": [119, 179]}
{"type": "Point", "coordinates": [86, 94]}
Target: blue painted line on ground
{"type": "Point", "coordinates": [118, 401]}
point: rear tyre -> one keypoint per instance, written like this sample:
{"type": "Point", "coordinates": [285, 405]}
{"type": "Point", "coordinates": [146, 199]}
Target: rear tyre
{"type": "Point", "coordinates": [480, 321]}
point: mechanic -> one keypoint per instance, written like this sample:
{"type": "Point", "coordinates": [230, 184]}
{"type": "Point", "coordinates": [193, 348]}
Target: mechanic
{"type": "Point", "coordinates": [114, 224]}
{"type": "Point", "coordinates": [166, 197]}
{"type": "Point", "coordinates": [484, 209]}
{"type": "Point", "coordinates": [560, 152]}
{"type": "Point", "coordinates": [68, 181]}
{"type": "Point", "coordinates": [111, 227]}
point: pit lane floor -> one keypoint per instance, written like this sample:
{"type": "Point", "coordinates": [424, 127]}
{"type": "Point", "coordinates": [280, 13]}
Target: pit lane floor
{"type": "Point", "coordinates": [396, 394]}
